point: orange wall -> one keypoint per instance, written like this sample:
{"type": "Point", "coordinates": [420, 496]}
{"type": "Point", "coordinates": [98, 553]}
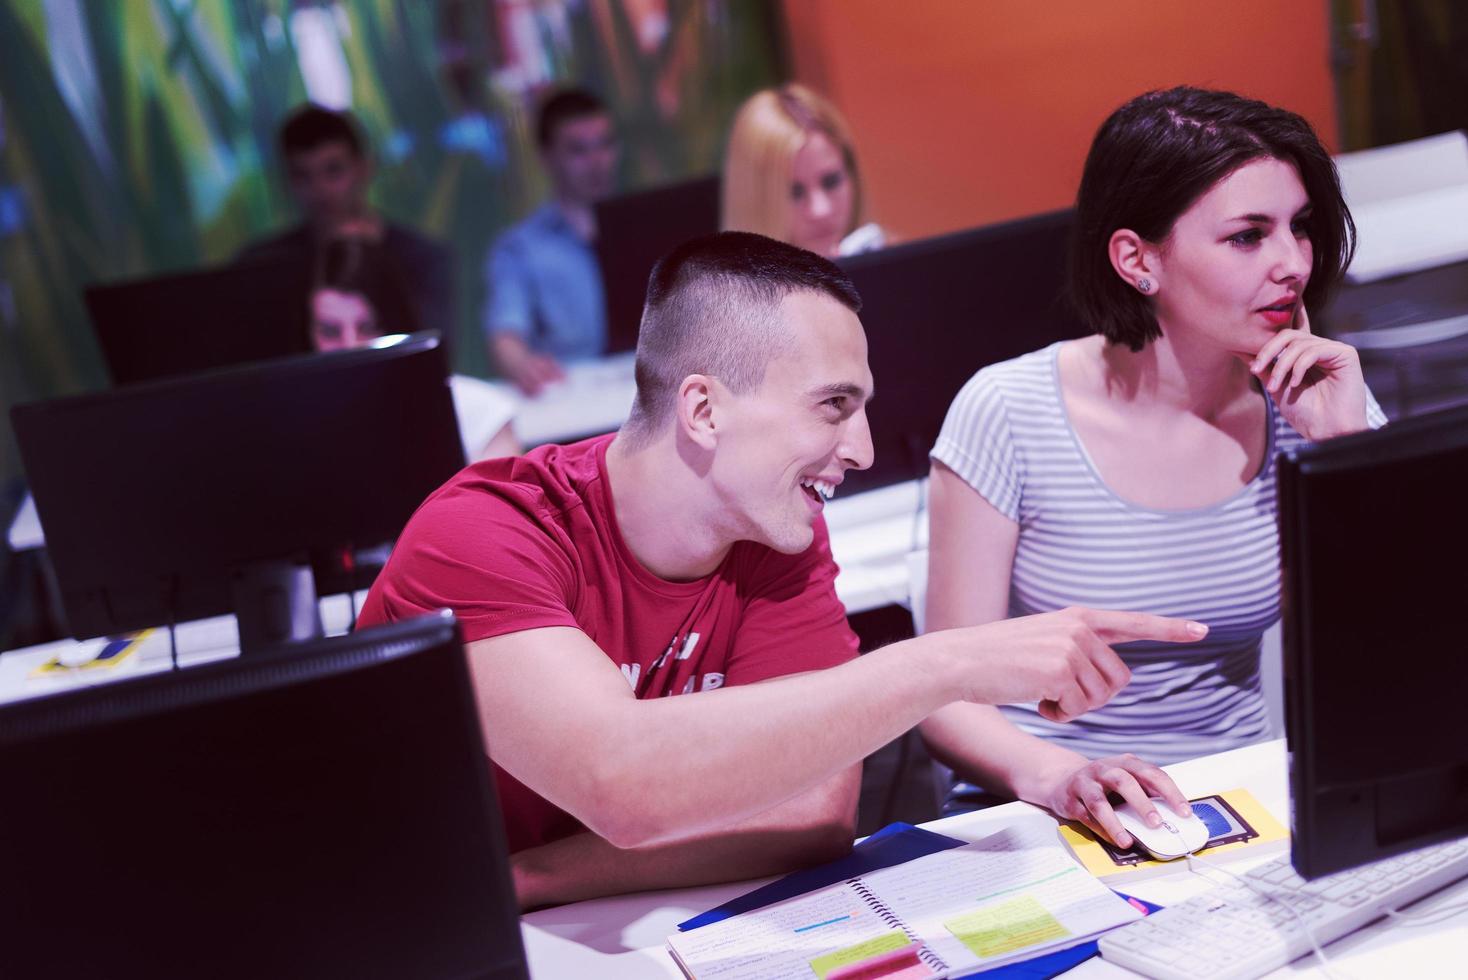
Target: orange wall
{"type": "Point", "coordinates": [967, 112]}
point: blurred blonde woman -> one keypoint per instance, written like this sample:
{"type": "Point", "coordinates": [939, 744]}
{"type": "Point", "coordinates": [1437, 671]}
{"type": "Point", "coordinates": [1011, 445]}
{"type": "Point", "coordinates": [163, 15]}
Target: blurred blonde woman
{"type": "Point", "coordinates": [790, 173]}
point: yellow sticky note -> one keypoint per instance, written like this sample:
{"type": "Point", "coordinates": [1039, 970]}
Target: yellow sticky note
{"type": "Point", "coordinates": [865, 950]}
{"type": "Point", "coordinates": [1007, 927]}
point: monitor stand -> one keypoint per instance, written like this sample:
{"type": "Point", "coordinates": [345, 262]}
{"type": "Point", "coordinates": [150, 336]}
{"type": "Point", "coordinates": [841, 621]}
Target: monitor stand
{"type": "Point", "coordinates": [275, 604]}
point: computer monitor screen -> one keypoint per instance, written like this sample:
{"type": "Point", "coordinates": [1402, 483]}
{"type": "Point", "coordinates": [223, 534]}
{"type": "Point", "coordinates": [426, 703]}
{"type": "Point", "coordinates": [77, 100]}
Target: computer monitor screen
{"type": "Point", "coordinates": [323, 812]}
{"type": "Point", "coordinates": [196, 321]}
{"type": "Point", "coordinates": [634, 231]}
{"type": "Point", "coordinates": [156, 497]}
{"type": "Point", "coordinates": [938, 310]}
{"type": "Point", "coordinates": [1373, 540]}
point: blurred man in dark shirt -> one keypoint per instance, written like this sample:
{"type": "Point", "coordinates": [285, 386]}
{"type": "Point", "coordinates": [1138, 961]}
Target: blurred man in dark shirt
{"type": "Point", "coordinates": [328, 171]}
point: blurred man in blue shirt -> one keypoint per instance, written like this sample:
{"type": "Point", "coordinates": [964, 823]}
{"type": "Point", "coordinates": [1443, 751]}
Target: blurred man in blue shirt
{"type": "Point", "coordinates": [545, 304]}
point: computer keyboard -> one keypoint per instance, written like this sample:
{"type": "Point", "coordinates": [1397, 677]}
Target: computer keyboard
{"type": "Point", "coordinates": [1233, 931]}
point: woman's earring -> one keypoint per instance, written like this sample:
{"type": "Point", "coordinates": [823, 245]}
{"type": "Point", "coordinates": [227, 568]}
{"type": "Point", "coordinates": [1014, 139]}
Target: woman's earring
{"type": "Point", "coordinates": [1145, 285]}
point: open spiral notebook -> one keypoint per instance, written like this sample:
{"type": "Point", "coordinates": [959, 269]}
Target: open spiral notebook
{"type": "Point", "coordinates": [1013, 895]}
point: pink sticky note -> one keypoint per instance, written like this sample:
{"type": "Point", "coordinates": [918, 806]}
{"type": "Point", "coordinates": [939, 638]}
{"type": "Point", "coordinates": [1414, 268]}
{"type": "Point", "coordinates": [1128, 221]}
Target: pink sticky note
{"type": "Point", "coordinates": [899, 964]}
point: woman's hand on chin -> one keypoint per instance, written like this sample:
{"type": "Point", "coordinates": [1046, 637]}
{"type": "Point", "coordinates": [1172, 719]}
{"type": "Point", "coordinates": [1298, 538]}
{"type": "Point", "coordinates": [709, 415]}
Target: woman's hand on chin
{"type": "Point", "coordinates": [1316, 382]}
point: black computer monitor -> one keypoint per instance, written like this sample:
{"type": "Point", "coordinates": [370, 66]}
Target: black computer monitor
{"type": "Point", "coordinates": [196, 321]}
{"type": "Point", "coordinates": [634, 231]}
{"type": "Point", "coordinates": [210, 493]}
{"type": "Point", "coordinates": [326, 812]}
{"type": "Point", "coordinates": [938, 310]}
{"type": "Point", "coordinates": [1374, 549]}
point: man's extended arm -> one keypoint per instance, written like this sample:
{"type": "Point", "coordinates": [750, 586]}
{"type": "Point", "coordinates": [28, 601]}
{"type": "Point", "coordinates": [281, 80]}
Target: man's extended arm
{"type": "Point", "coordinates": [813, 828]}
{"type": "Point", "coordinates": [675, 768]}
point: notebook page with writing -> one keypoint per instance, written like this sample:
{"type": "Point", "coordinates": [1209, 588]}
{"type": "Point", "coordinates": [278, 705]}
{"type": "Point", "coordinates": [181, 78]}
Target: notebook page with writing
{"type": "Point", "coordinates": [1013, 895]}
{"type": "Point", "coordinates": [781, 941]}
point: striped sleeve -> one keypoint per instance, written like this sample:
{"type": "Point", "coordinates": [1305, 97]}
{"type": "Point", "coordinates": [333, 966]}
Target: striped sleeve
{"type": "Point", "coordinates": [976, 442]}
{"type": "Point", "coordinates": [1375, 417]}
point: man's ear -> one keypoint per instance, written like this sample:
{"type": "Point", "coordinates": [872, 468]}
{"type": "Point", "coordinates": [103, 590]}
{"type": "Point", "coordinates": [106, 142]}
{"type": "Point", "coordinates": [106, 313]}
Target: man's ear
{"type": "Point", "coordinates": [695, 409]}
{"type": "Point", "coordinates": [1136, 260]}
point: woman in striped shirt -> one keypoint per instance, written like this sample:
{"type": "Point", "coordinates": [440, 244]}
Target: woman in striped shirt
{"type": "Point", "coordinates": [1133, 469]}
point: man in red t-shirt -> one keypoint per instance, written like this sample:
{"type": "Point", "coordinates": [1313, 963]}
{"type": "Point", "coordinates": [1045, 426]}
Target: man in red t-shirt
{"type": "Point", "coordinates": [668, 684]}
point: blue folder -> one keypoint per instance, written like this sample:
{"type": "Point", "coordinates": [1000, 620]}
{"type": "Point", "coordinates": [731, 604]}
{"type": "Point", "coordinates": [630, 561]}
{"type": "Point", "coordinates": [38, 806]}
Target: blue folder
{"type": "Point", "coordinates": [891, 845]}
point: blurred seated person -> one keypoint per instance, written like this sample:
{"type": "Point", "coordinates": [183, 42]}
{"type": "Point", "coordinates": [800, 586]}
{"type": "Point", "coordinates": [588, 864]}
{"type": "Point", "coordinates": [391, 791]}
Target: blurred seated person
{"type": "Point", "coordinates": [358, 297]}
{"type": "Point", "coordinates": [790, 173]}
{"type": "Point", "coordinates": [546, 305]}
{"type": "Point", "coordinates": [328, 171]}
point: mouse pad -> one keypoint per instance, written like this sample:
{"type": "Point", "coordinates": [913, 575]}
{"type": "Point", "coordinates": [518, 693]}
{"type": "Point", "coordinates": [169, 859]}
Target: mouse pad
{"type": "Point", "coordinates": [1225, 826]}
{"type": "Point", "coordinates": [1234, 820]}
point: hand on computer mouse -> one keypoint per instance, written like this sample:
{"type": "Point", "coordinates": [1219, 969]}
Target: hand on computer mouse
{"type": "Point", "coordinates": [1173, 837]}
{"type": "Point", "coordinates": [1083, 794]}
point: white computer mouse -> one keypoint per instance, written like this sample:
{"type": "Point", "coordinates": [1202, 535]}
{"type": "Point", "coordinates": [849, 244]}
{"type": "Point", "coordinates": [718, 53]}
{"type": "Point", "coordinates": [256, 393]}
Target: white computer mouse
{"type": "Point", "coordinates": [1175, 838]}
{"type": "Point", "coordinates": [79, 653]}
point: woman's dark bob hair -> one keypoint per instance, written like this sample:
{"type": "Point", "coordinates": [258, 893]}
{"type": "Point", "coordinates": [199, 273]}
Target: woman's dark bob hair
{"type": "Point", "coordinates": [1158, 154]}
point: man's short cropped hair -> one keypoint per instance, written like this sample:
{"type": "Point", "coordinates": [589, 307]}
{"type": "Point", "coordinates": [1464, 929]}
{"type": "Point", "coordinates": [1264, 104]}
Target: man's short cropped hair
{"type": "Point", "coordinates": [712, 309]}
{"type": "Point", "coordinates": [563, 106]}
{"type": "Point", "coordinates": [311, 126]}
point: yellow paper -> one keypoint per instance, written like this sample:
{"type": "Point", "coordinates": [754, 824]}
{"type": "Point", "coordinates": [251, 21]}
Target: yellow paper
{"type": "Point", "coordinates": [1007, 927]}
{"type": "Point", "coordinates": [1094, 858]}
{"type": "Point", "coordinates": [54, 666]}
{"type": "Point", "coordinates": [890, 942]}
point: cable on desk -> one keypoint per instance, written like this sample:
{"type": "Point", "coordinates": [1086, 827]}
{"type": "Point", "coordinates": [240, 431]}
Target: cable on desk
{"type": "Point", "coordinates": [915, 456]}
{"type": "Point", "coordinates": [172, 617]}
{"type": "Point", "coordinates": [1428, 917]}
{"type": "Point", "coordinates": [349, 559]}
{"type": "Point", "coordinates": [1276, 899]}
{"type": "Point", "coordinates": [352, 592]}
{"type": "Point", "coordinates": [1423, 917]}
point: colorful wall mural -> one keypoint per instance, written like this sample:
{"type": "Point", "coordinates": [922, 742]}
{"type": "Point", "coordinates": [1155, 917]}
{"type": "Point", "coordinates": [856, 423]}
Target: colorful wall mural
{"type": "Point", "coordinates": [138, 136]}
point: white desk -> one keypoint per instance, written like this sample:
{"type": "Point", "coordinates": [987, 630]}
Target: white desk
{"type": "Point", "coordinates": [594, 397]}
{"type": "Point", "coordinates": [872, 534]}
{"type": "Point", "coordinates": [624, 937]}
{"type": "Point", "coordinates": [25, 528]}
{"type": "Point", "coordinates": [199, 642]}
